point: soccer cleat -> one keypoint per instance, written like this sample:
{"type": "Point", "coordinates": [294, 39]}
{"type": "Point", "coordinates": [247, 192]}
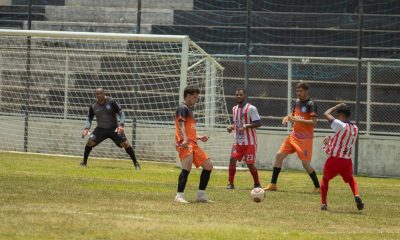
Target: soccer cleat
{"type": "Point", "coordinates": [137, 166]}
{"type": "Point", "coordinates": [271, 187]}
{"type": "Point", "coordinates": [317, 190]}
{"type": "Point", "coordinates": [202, 198]}
{"type": "Point", "coordinates": [180, 200]}
{"type": "Point", "coordinates": [230, 186]}
{"type": "Point", "coordinates": [324, 207]}
{"type": "Point", "coordinates": [83, 164]}
{"type": "Point", "coordinates": [257, 185]}
{"type": "Point", "coordinates": [359, 203]}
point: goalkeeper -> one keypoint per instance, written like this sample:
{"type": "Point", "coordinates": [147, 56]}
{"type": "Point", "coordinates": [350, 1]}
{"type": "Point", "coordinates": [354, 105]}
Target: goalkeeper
{"type": "Point", "coordinates": [106, 110]}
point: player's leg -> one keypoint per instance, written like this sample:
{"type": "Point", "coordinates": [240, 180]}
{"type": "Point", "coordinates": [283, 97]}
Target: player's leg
{"type": "Point", "coordinates": [95, 138]}
{"type": "Point", "coordinates": [285, 149]}
{"type": "Point", "coordinates": [121, 141]}
{"type": "Point", "coordinates": [279, 157]}
{"type": "Point", "coordinates": [250, 158]}
{"type": "Point", "coordinates": [186, 156]}
{"type": "Point", "coordinates": [329, 172]}
{"type": "Point", "coordinates": [304, 152]}
{"type": "Point", "coordinates": [236, 154]}
{"type": "Point", "coordinates": [200, 158]}
{"type": "Point", "coordinates": [346, 171]}
{"type": "Point", "coordinates": [232, 173]}
{"type": "Point", "coordinates": [313, 175]}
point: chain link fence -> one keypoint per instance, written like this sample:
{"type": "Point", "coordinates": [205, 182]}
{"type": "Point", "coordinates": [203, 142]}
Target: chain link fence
{"type": "Point", "coordinates": [272, 81]}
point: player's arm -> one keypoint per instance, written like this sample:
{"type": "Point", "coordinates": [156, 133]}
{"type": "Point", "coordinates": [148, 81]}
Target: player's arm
{"type": "Point", "coordinates": [121, 114]}
{"type": "Point", "coordinates": [285, 119]}
{"type": "Point", "coordinates": [231, 127]}
{"type": "Point", "coordinates": [182, 131]}
{"type": "Point", "coordinates": [88, 122]}
{"type": "Point", "coordinates": [328, 113]}
{"type": "Point", "coordinates": [255, 120]}
{"type": "Point", "coordinates": [311, 122]}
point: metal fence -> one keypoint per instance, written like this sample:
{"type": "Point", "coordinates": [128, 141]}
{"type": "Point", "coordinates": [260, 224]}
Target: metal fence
{"type": "Point", "coordinates": [272, 81]}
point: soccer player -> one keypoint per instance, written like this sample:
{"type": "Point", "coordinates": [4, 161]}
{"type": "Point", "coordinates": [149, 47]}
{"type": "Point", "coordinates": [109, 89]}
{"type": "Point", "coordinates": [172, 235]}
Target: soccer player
{"type": "Point", "coordinates": [339, 149]}
{"type": "Point", "coordinates": [106, 110]}
{"type": "Point", "coordinates": [304, 119]}
{"type": "Point", "coordinates": [246, 120]}
{"type": "Point", "coordinates": [188, 150]}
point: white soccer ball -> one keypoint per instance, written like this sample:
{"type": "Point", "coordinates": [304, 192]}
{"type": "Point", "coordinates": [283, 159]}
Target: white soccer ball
{"type": "Point", "coordinates": [257, 195]}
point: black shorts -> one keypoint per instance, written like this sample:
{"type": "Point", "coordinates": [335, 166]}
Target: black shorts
{"type": "Point", "coordinates": [101, 134]}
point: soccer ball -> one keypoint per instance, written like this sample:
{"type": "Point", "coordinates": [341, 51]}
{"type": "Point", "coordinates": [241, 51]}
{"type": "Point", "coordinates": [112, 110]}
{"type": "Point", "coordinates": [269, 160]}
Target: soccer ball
{"type": "Point", "coordinates": [257, 194]}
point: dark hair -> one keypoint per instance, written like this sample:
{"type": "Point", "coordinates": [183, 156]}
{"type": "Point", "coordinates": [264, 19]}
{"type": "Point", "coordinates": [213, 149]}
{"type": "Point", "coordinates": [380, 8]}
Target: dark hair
{"type": "Point", "coordinates": [240, 89]}
{"type": "Point", "coordinates": [302, 85]}
{"type": "Point", "coordinates": [190, 90]}
{"type": "Point", "coordinates": [345, 110]}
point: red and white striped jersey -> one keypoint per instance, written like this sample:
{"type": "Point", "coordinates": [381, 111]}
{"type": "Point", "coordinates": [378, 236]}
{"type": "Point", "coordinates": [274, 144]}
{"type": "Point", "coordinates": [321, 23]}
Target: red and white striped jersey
{"type": "Point", "coordinates": [247, 114]}
{"type": "Point", "coordinates": [341, 144]}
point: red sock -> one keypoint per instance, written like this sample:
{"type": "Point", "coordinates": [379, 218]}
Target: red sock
{"type": "Point", "coordinates": [353, 185]}
{"type": "Point", "coordinates": [232, 172]}
{"type": "Point", "coordinates": [324, 189]}
{"type": "Point", "coordinates": [254, 173]}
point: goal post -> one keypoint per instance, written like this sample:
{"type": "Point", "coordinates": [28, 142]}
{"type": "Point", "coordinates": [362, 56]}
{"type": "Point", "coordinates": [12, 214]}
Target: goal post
{"type": "Point", "coordinates": [48, 78]}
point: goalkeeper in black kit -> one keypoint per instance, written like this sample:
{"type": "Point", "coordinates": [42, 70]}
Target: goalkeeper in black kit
{"type": "Point", "coordinates": [106, 110]}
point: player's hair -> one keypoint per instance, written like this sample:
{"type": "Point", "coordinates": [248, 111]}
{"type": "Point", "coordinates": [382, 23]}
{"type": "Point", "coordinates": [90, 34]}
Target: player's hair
{"type": "Point", "coordinates": [190, 90]}
{"type": "Point", "coordinates": [99, 89]}
{"type": "Point", "coordinates": [240, 89]}
{"type": "Point", "coordinates": [345, 110]}
{"type": "Point", "coordinates": [302, 85]}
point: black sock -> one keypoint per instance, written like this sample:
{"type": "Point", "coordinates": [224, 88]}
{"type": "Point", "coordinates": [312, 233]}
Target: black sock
{"type": "Point", "coordinates": [204, 178]}
{"type": "Point", "coordinates": [182, 180]}
{"type": "Point", "coordinates": [314, 178]}
{"type": "Point", "coordinates": [86, 154]}
{"type": "Point", "coordinates": [131, 153]}
{"type": "Point", "coordinates": [275, 175]}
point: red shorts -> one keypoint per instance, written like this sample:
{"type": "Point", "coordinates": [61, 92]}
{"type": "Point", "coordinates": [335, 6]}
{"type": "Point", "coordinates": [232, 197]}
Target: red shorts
{"type": "Point", "coordinates": [334, 166]}
{"type": "Point", "coordinates": [199, 156]}
{"type": "Point", "coordinates": [248, 152]}
{"type": "Point", "coordinates": [303, 147]}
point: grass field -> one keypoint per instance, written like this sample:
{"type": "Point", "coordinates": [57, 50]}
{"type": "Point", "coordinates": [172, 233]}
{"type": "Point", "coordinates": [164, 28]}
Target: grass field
{"type": "Point", "coordinates": [46, 197]}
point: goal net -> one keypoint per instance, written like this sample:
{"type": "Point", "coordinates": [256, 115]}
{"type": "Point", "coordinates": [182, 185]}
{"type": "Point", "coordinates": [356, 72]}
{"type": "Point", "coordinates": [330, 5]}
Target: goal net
{"type": "Point", "coordinates": [48, 79]}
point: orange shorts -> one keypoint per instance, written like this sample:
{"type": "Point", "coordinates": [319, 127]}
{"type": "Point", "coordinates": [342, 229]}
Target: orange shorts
{"type": "Point", "coordinates": [303, 147]}
{"type": "Point", "coordinates": [199, 156]}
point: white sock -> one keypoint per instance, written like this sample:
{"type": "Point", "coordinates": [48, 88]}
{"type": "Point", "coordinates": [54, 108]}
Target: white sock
{"type": "Point", "coordinates": [180, 195]}
{"type": "Point", "coordinates": [201, 193]}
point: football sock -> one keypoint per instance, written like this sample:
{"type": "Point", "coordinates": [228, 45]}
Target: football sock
{"type": "Point", "coordinates": [353, 185]}
{"type": "Point", "coordinates": [314, 178]}
{"type": "Point", "coordinates": [254, 173]}
{"type": "Point", "coordinates": [275, 175]}
{"type": "Point", "coordinates": [182, 180]}
{"type": "Point", "coordinates": [131, 153]}
{"type": "Point", "coordinates": [204, 177]}
{"type": "Point", "coordinates": [232, 172]}
{"type": "Point", "coordinates": [86, 154]}
{"type": "Point", "coordinates": [324, 190]}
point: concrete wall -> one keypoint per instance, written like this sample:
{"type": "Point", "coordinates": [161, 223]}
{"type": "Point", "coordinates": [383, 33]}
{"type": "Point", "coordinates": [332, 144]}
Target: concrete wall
{"type": "Point", "coordinates": [160, 4]}
{"type": "Point", "coordinates": [108, 15]}
{"type": "Point", "coordinates": [5, 2]}
{"type": "Point", "coordinates": [379, 156]}
{"type": "Point", "coordinates": [88, 27]}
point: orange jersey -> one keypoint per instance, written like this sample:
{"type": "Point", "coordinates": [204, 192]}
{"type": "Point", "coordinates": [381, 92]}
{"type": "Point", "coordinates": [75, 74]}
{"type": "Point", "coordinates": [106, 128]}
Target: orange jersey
{"type": "Point", "coordinates": [185, 114]}
{"type": "Point", "coordinates": [304, 110]}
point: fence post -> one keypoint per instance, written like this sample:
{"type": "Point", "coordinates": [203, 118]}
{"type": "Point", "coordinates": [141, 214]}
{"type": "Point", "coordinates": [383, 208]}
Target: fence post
{"type": "Point", "coordinates": [368, 128]}
{"type": "Point", "coordinates": [66, 83]}
{"type": "Point", "coordinates": [358, 87]}
{"type": "Point", "coordinates": [289, 92]}
{"type": "Point", "coordinates": [138, 16]}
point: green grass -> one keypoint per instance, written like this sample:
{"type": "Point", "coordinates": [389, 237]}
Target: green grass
{"type": "Point", "coordinates": [46, 197]}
